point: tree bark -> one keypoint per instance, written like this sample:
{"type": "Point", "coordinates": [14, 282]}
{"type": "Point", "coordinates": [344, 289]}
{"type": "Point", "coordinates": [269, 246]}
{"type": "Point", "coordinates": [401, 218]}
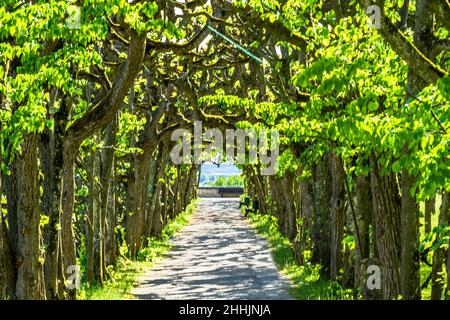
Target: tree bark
{"type": "Point", "coordinates": [322, 215]}
{"type": "Point", "coordinates": [363, 216]}
{"type": "Point", "coordinates": [410, 260]}
{"type": "Point", "coordinates": [387, 206]}
{"type": "Point", "coordinates": [7, 269]}
{"type": "Point", "coordinates": [29, 259]}
{"type": "Point", "coordinates": [337, 214]}
{"type": "Point", "coordinates": [90, 219]}
{"type": "Point", "coordinates": [68, 200]}
{"type": "Point", "coordinates": [106, 173]}
{"type": "Point", "coordinates": [437, 280]}
{"type": "Point", "coordinates": [111, 223]}
{"type": "Point", "coordinates": [51, 156]}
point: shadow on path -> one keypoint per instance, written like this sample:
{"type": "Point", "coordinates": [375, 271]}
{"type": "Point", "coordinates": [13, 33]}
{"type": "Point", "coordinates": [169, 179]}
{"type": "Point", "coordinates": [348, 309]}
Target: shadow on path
{"type": "Point", "coordinates": [218, 255]}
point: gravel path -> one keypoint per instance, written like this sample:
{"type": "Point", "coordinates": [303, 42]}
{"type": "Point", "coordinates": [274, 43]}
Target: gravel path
{"type": "Point", "coordinates": [218, 255]}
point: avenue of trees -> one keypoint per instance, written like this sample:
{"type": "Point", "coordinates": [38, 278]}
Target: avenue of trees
{"type": "Point", "coordinates": [91, 91]}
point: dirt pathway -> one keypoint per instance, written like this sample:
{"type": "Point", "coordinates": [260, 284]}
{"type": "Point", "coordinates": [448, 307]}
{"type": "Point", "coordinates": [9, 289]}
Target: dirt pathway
{"type": "Point", "coordinates": [218, 255]}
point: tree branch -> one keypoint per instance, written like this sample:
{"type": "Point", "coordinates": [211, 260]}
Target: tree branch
{"type": "Point", "coordinates": [424, 67]}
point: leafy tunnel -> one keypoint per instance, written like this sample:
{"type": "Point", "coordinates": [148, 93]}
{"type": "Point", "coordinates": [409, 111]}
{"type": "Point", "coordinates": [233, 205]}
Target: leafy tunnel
{"type": "Point", "coordinates": [92, 94]}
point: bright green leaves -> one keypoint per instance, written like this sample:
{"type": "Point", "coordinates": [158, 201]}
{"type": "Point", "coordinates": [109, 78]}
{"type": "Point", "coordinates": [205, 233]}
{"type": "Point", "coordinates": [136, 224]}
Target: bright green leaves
{"type": "Point", "coordinates": [437, 239]}
{"type": "Point", "coordinates": [140, 16]}
{"type": "Point", "coordinates": [372, 106]}
{"type": "Point", "coordinates": [130, 126]}
{"type": "Point", "coordinates": [42, 49]}
{"type": "Point", "coordinates": [149, 9]}
{"type": "Point", "coordinates": [444, 87]}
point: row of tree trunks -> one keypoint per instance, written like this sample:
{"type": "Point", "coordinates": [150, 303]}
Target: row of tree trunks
{"type": "Point", "coordinates": [307, 207]}
{"type": "Point", "coordinates": [316, 212]}
{"type": "Point", "coordinates": [83, 128]}
{"type": "Point", "coordinates": [100, 206]}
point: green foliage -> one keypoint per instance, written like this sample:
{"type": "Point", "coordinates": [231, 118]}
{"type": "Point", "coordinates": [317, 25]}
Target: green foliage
{"type": "Point", "coordinates": [357, 102]}
{"type": "Point", "coordinates": [231, 181]}
{"type": "Point", "coordinates": [122, 279]}
{"type": "Point", "coordinates": [438, 238]}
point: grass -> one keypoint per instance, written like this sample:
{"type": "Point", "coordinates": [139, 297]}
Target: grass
{"type": "Point", "coordinates": [124, 276]}
{"type": "Point", "coordinates": [306, 281]}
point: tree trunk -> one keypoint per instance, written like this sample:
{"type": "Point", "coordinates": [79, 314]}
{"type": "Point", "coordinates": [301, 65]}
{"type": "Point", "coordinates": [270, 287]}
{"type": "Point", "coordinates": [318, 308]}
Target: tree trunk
{"type": "Point", "coordinates": [447, 290]}
{"type": "Point", "coordinates": [29, 260]}
{"type": "Point", "coordinates": [155, 175]}
{"type": "Point", "coordinates": [437, 280]}
{"type": "Point", "coordinates": [191, 185]}
{"type": "Point", "coordinates": [90, 223]}
{"type": "Point", "coordinates": [111, 223]}
{"type": "Point", "coordinates": [51, 157]}
{"type": "Point", "coordinates": [7, 270]}
{"type": "Point", "coordinates": [337, 214]}
{"type": "Point", "coordinates": [291, 218]}
{"type": "Point", "coordinates": [68, 200]}
{"type": "Point", "coordinates": [106, 172]}
{"type": "Point", "coordinates": [307, 208]}
{"type": "Point", "coordinates": [322, 215]}
{"type": "Point", "coordinates": [387, 206]}
{"type": "Point", "coordinates": [363, 215]}
{"type": "Point", "coordinates": [410, 260]}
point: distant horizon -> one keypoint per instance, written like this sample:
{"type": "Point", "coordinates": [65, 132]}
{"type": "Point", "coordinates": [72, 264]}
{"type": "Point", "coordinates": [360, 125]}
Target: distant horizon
{"type": "Point", "coordinates": [223, 169]}
{"type": "Point", "coordinates": [209, 172]}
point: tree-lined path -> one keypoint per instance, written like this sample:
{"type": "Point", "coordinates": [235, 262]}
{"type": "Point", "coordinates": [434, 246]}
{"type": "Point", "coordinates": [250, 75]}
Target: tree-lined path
{"type": "Point", "coordinates": [217, 256]}
{"type": "Point", "coordinates": [108, 108]}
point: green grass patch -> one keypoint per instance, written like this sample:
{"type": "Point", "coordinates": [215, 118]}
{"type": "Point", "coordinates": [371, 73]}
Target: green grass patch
{"type": "Point", "coordinates": [306, 281]}
{"type": "Point", "coordinates": [123, 277]}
